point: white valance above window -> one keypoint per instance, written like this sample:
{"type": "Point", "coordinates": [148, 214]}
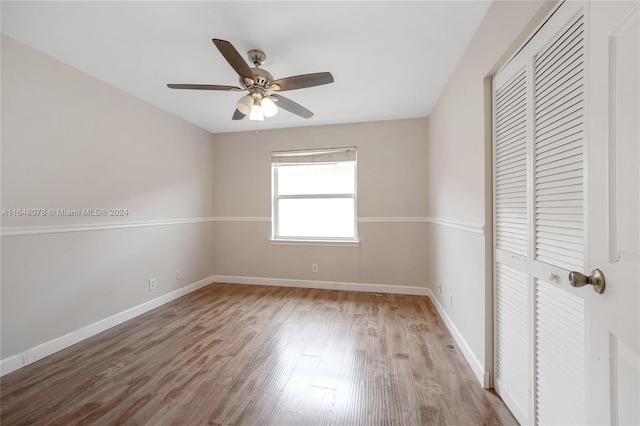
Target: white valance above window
{"type": "Point", "coordinates": [329, 155]}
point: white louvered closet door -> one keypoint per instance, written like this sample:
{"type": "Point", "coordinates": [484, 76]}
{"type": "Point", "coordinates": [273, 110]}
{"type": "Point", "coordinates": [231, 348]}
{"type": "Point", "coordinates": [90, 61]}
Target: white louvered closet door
{"type": "Point", "coordinates": [540, 366]}
{"type": "Point", "coordinates": [512, 138]}
{"type": "Point", "coordinates": [558, 57]}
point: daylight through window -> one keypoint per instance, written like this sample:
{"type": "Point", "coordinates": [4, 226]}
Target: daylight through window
{"type": "Point", "coordinates": [314, 194]}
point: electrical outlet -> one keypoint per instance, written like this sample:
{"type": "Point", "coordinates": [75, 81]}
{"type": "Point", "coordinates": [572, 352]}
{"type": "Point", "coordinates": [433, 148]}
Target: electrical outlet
{"type": "Point", "coordinates": [24, 358]}
{"type": "Point", "coordinates": [450, 300]}
{"type": "Point", "coordinates": [178, 275]}
{"type": "Point", "coordinates": [152, 284]}
{"type": "Point", "coordinates": [440, 287]}
{"type": "Point", "coordinates": [314, 267]}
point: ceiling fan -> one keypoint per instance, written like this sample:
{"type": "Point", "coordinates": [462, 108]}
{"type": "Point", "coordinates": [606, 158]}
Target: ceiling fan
{"type": "Point", "coordinates": [261, 101]}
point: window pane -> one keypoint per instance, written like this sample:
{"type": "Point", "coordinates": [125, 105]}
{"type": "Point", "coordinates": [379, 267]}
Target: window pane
{"type": "Point", "coordinates": [322, 218]}
{"type": "Point", "coordinates": [337, 178]}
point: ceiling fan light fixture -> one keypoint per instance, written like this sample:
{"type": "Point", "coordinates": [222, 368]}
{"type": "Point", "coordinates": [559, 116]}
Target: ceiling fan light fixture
{"type": "Point", "coordinates": [269, 107]}
{"type": "Point", "coordinates": [258, 104]}
{"type": "Point", "coordinates": [256, 113]}
{"type": "Point", "coordinates": [245, 104]}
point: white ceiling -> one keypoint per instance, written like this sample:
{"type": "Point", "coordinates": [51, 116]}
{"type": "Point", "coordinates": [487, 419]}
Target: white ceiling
{"type": "Point", "coordinates": [390, 60]}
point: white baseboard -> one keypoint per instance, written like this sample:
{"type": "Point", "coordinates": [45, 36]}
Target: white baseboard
{"type": "Point", "coordinates": [35, 353]}
{"type": "Point", "coordinates": [325, 285]}
{"type": "Point", "coordinates": [477, 367]}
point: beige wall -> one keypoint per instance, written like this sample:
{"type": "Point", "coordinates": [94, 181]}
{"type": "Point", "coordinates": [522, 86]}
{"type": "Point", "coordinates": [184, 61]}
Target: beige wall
{"type": "Point", "coordinates": [71, 141]}
{"type": "Point", "coordinates": [391, 176]}
{"type": "Point", "coordinates": [459, 174]}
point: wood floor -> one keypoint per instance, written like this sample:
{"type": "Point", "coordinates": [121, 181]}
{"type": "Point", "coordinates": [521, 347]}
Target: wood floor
{"type": "Point", "coordinates": [254, 355]}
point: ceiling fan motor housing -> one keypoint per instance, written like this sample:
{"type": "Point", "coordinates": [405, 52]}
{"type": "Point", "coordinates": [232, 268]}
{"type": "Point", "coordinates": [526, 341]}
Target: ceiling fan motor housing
{"type": "Point", "coordinates": [262, 78]}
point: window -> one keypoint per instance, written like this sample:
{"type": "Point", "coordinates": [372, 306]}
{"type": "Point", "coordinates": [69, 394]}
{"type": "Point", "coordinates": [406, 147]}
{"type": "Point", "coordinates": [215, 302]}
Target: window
{"type": "Point", "coordinates": [314, 195]}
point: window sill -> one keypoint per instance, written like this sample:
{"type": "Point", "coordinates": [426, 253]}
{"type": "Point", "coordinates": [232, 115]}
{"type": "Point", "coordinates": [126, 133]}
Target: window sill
{"type": "Point", "coordinates": [328, 243]}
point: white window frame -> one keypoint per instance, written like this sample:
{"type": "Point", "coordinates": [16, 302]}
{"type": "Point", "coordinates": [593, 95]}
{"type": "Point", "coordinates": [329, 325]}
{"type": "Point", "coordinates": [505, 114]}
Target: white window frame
{"type": "Point", "coordinates": [312, 157]}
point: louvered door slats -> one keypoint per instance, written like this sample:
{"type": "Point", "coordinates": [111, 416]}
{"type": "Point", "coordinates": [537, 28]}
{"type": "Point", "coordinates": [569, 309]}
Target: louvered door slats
{"type": "Point", "coordinates": [572, 142]}
{"type": "Point", "coordinates": [510, 153]}
{"type": "Point", "coordinates": [566, 253]}
{"type": "Point", "coordinates": [511, 227]}
{"type": "Point", "coordinates": [548, 77]}
{"type": "Point", "coordinates": [568, 86]}
{"type": "Point", "coordinates": [561, 167]}
{"type": "Point", "coordinates": [510, 210]}
{"type": "Point", "coordinates": [512, 128]}
{"type": "Point", "coordinates": [559, 177]}
{"type": "Point", "coordinates": [511, 334]}
{"type": "Point", "coordinates": [508, 245]}
{"type": "Point", "coordinates": [557, 120]}
{"type": "Point", "coordinates": [561, 220]}
{"type": "Point", "coordinates": [559, 230]}
{"type": "Point", "coordinates": [557, 128]}
{"type": "Point", "coordinates": [511, 231]}
{"type": "Point", "coordinates": [567, 189]}
{"type": "Point", "coordinates": [509, 239]}
{"type": "Point", "coordinates": [562, 244]}
{"type": "Point", "coordinates": [506, 140]}
{"type": "Point", "coordinates": [556, 64]}
{"type": "Point", "coordinates": [551, 65]}
{"type": "Point", "coordinates": [561, 102]}
{"type": "Point", "coordinates": [543, 57]}
{"type": "Point", "coordinates": [513, 134]}
{"type": "Point", "coordinates": [550, 140]}
{"type": "Point", "coordinates": [511, 170]}
{"type": "Point", "coordinates": [509, 99]}
{"type": "Point", "coordinates": [507, 148]}
{"type": "Point", "coordinates": [561, 185]}
{"type": "Point", "coordinates": [511, 120]}
{"type": "Point", "coordinates": [560, 361]}
{"type": "Point", "coordinates": [551, 197]}
{"type": "Point", "coordinates": [509, 189]}
{"type": "Point", "coordinates": [508, 113]}
{"type": "Point", "coordinates": [568, 249]}
{"type": "Point", "coordinates": [559, 81]}
{"type": "Point", "coordinates": [560, 203]}
{"type": "Point", "coordinates": [566, 156]}
{"type": "Point", "coordinates": [508, 106]}
{"type": "Point", "coordinates": [560, 111]}
{"type": "Point", "coordinates": [507, 95]}
{"type": "Point", "coordinates": [510, 163]}
{"type": "Point", "coordinates": [576, 239]}
{"type": "Point", "coordinates": [560, 224]}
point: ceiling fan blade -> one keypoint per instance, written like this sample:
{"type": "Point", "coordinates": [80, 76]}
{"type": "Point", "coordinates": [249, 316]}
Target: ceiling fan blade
{"type": "Point", "coordinates": [233, 57]}
{"type": "Point", "coordinates": [204, 87]}
{"type": "Point", "coordinates": [301, 81]}
{"type": "Point", "coordinates": [238, 115]}
{"type": "Point", "coordinates": [291, 106]}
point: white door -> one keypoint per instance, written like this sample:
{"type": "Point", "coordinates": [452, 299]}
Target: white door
{"type": "Point", "coordinates": [613, 334]}
{"type": "Point", "coordinates": [540, 101]}
{"type": "Point", "coordinates": [560, 96]}
{"type": "Point", "coordinates": [512, 141]}
{"type": "Point", "coordinates": [567, 198]}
